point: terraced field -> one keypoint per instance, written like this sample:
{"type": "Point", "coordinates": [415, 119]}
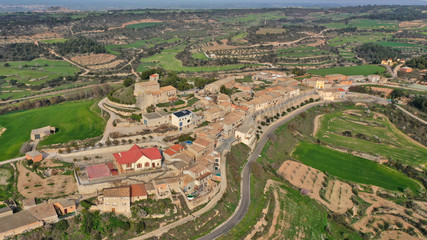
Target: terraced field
{"type": "Point", "coordinates": [148, 43]}
{"type": "Point", "coordinates": [167, 60]}
{"type": "Point", "coordinates": [371, 133]}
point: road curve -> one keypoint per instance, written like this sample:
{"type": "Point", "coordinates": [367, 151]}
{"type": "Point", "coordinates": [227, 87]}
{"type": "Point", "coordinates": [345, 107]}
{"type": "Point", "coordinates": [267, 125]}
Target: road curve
{"type": "Point", "coordinates": [109, 126]}
{"type": "Point", "coordinates": [243, 206]}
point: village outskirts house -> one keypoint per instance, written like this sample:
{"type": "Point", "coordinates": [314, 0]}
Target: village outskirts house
{"type": "Point", "coordinates": [246, 134]}
{"type": "Point", "coordinates": [182, 119]}
{"type": "Point", "coordinates": [64, 206]}
{"type": "Point", "coordinates": [136, 159]}
{"type": "Point", "coordinates": [35, 156]}
{"type": "Point", "coordinates": [155, 119]}
{"type": "Point", "coordinates": [138, 192]}
{"type": "Point", "coordinates": [18, 223]}
{"type": "Point", "coordinates": [116, 200]}
{"type": "Point", "coordinates": [214, 88]}
{"type": "Point", "coordinates": [336, 77]}
{"type": "Point", "coordinates": [40, 133]}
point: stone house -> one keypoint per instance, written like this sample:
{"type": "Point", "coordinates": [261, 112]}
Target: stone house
{"type": "Point", "coordinates": [18, 223]}
{"type": "Point", "coordinates": [155, 119]}
{"type": "Point", "coordinates": [138, 192]}
{"type": "Point", "coordinates": [40, 133]}
{"type": "Point", "coordinates": [116, 200]}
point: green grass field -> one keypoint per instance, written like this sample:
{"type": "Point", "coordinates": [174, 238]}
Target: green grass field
{"type": "Point", "coordinates": [74, 121]}
{"type": "Point", "coordinates": [166, 59]}
{"type": "Point", "coordinates": [144, 25]}
{"type": "Point", "coordinates": [364, 23]}
{"type": "Point", "coordinates": [148, 43]}
{"type": "Point", "coordinates": [353, 70]}
{"type": "Point", "coordinates": [351, 168]}
{"type": "Point", "coordinates": [199, 55]}
{"type": "Point", "coordinates": [38, 70]}
{"type": "Point", "coordinates": [394, 144]}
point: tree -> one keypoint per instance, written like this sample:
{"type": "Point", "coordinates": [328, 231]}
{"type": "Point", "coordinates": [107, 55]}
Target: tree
{"type": "Point", "coordinates": [397, 93]}
{"type": "Point", "coordinates": [128, 81]}
{"type": "Point", "coordinates": [224, 90]}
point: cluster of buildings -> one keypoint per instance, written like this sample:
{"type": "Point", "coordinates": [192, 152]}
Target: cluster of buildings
{"type": "Point", "coordinates": [33, 215]}
{"type": "Point", "coordinates": [150, 93]}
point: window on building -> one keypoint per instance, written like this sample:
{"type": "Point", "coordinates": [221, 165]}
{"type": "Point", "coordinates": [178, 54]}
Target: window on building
{"type": "Point", "coordinates": [139, 165]}
{"type": "Point", "coordinates": [147, 164]}
{"type": "Point", "coordinates": [128, 165]}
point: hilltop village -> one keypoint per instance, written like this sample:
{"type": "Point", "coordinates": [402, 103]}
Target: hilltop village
{"type": "Point", "coordinates": [181, 155]}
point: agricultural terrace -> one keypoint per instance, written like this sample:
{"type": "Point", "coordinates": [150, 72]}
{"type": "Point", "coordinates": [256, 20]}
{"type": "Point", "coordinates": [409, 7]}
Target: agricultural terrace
{"type": "Point", "coordinates": [147, 43]}
{"type": "Point", "coordinates": [66, 117]}
{"type": "Point", "coordinates": [353, 70]}
{"type": "Point", "coordinates": [300, 52]}
{"type": "Point", "coordinates": [144, 25]}
{"type": "Point", "coordinates": [365, 24]}
{"type": "Point", "coordinates": [255, 18]}
{"type": "Point", "coordinates": [352, 168]}
{"type": "Point", "coordinates": [370, 133]}
{"type": "Point", "coordinates": [166, 59]}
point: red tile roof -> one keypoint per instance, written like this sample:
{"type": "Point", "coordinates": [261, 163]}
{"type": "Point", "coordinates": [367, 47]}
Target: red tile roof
{"type": "Point", "coordinates": [169, 152]}
{"type": "Point", "coordinates": [177, 147]}
{"type": "Point", "coordinates": [135, 153]}
{"type": "Point", "coordinates": [137, 190]}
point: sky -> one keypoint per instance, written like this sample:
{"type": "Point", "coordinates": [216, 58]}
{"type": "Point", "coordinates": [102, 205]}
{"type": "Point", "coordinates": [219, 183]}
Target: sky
{"type": "Point", "coordinates": [194, 4]}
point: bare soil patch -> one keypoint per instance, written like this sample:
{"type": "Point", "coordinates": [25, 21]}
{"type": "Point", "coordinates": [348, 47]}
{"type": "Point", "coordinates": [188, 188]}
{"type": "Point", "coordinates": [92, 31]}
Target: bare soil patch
{"type": "Point", "coordinates": [338, 194]}
{"type": "Point", "coordinates": [135, 22]}
{"type": "Point", "coordinates": [109, 65]}
{"type": "Point", "coordinates": [391, 235]}
{"type": "Point", "coordinates": [2, 130]}
{"type": "Point", "coordinates": [32, 185]}
{"type": "Point", "coordinates": [93, 59]}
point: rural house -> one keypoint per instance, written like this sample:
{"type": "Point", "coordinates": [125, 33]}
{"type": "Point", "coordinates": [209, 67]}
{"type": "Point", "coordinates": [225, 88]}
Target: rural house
{"type": "Point", "coordinates": [116, 200]}
{"type": "Point", "coordinates": [182, 119]}
{"type": "Point", "coordinates": [155, 119]}
{"type": "Point", "coordinates": [137, 158]}
{"type": "Point", "coordinates": [35, 156]}
{"type": "Point", "coordinates": [40, 133]}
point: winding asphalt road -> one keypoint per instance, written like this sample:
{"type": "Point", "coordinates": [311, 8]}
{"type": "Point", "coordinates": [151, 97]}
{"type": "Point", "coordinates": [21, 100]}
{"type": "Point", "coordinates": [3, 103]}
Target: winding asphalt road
{"type": "Point", "coordinates": [245, 194]}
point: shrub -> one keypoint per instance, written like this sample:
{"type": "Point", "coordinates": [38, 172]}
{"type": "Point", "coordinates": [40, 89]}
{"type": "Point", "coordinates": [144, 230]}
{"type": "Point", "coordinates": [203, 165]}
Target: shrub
{"type": "Point", "coordinates": [85, 204]}
{"type": "Point", "coordinates": [62, 225]}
